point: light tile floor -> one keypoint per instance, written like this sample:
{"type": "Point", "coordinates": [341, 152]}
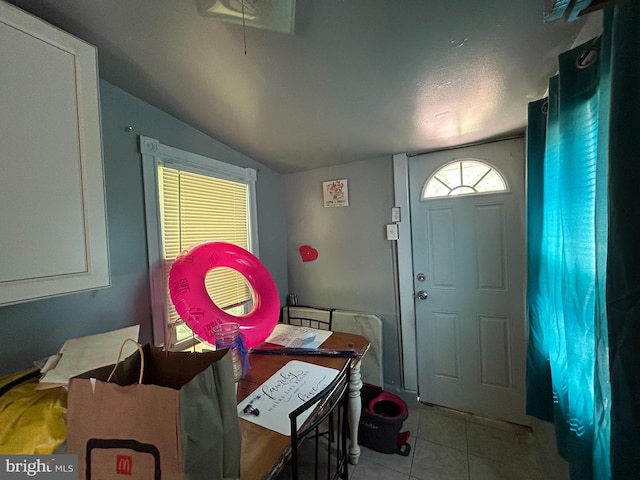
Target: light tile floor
{"type": "Point", "coordinates": [448, 445]}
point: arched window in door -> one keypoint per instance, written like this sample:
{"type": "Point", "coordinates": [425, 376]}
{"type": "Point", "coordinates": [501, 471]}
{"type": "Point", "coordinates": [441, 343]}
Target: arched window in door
{"type": "Point", "coordinates": [464, 177]}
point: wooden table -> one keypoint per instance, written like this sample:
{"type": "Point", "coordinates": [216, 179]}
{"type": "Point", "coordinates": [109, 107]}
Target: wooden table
{"type": "Point", "coordinates": [263, 450]}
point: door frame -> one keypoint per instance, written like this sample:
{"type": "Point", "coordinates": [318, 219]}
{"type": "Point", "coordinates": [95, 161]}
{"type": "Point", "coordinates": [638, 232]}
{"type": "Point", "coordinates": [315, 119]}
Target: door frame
{"type": "Point", "coordinates": [409, 353]}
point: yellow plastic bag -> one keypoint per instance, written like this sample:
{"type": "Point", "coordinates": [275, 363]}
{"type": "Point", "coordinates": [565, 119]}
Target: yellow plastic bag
{"type": "Point", "coordinates": [31, 421]}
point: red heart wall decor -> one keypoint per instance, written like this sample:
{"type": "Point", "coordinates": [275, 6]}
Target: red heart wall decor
{"type": "Point", "coordinates": [307, 253]}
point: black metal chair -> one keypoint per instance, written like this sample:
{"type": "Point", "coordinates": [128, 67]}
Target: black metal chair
{"type": "Point", "coordinates": [305, 316]}
{"type": "Point", "coordinates": [320, 444]}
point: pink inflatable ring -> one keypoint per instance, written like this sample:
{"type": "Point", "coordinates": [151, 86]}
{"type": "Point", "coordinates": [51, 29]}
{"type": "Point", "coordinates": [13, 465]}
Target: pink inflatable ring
{"type": "Point", "coordinates": [193, 304]}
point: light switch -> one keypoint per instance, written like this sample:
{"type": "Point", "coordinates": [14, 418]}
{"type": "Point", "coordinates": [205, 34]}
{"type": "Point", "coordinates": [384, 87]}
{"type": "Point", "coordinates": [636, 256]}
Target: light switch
{"type": "Point", "coordinates": [395, 214]}
{"type": "Point", "coordinates": [392, 231]}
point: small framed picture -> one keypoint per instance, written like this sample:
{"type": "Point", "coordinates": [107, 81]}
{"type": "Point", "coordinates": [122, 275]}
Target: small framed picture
{"type": "Point", "coordinates": [336, 193]}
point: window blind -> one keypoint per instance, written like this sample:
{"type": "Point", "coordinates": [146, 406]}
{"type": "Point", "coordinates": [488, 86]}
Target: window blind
{"type": "Point", "coordinates": [195, 208]}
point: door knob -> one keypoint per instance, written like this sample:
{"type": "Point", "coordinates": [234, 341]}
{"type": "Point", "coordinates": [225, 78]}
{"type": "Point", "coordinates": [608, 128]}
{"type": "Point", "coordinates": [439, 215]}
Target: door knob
{"type": "Point", "coordinates": [422, 295]}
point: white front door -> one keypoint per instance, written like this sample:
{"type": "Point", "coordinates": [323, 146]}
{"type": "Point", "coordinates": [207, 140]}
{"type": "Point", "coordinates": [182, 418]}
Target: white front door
{"type": "Point", "coordinates": [469, 262]}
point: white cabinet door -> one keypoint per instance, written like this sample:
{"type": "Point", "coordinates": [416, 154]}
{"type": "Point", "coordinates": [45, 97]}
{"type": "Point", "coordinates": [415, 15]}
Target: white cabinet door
{"type": "Point", "coordinates": [53, 236]}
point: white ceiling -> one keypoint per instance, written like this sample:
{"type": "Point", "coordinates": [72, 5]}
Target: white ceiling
{"type": "Point", "coordinates": [359, 79]}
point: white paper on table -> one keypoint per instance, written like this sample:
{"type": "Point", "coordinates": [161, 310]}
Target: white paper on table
{"type": "Point", "coordinates": [297, 337]}
{"type": "Point", "coordinates": [286, 390]}
{"type": "Point", "coordinates": [79, 355]}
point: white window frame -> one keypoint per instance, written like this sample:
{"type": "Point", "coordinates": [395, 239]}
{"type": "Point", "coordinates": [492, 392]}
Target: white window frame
{"type": "Point", "coordinates": [460, 161]}
{"type": "Point", "coordinates": [153, 154]}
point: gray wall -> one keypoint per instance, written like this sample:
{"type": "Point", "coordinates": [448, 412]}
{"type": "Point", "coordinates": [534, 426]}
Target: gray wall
{"type": "Point", "coordinates": [33, 330]}
{"type": "Point", "coordinates": [355, 266]}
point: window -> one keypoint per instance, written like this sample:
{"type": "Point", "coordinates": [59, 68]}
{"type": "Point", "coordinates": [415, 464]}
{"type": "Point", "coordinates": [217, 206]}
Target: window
{"type": "Point", "coordinates": [464, 177]}
{"type": "Point", "coordinates": [192, 199]}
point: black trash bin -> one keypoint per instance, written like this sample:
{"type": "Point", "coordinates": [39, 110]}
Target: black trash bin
{"type": "Point", "coordinates": [382, 416]}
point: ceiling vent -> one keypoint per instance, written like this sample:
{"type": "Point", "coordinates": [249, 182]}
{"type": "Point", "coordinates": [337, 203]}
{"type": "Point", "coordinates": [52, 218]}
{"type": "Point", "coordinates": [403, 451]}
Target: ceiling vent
{"type": "Point", "coordinates": [274, 15]}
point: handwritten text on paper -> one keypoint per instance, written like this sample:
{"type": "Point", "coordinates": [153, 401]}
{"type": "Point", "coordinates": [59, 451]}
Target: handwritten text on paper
{"type": "Point", "coordinates": [283, 392]}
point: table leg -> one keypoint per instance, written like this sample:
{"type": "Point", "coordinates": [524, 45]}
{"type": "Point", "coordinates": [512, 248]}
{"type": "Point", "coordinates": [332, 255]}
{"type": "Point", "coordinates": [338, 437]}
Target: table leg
{"type": "Point", "coordinates": [355, 410]}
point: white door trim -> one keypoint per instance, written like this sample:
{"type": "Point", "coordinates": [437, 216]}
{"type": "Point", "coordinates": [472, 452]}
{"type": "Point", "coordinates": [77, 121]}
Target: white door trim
{"type": "Point", "coordinates": [405, 275]}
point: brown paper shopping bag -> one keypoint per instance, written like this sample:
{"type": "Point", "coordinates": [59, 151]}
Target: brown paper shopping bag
{"type": "Point", "coordinates": [169, 415]}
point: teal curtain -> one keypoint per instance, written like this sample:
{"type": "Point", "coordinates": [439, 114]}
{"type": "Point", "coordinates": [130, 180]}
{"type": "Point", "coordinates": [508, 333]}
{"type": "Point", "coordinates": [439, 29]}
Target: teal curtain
{"type": "Point", "coordinates": [583, 220]}
{"type": "Point", "coordinates": [623, 270]}
{"type": "Point", "coordinates": [539, 393]}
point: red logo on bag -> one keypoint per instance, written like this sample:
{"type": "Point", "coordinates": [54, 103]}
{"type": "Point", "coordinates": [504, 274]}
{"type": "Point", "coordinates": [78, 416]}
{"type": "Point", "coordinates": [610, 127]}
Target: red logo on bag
{"type": "Point", "coordinates": [123, 464]}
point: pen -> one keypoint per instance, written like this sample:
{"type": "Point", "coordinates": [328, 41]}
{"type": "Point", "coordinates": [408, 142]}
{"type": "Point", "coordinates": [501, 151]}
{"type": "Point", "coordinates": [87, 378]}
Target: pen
{"type": "Point", "coordinates": [321, 352]}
